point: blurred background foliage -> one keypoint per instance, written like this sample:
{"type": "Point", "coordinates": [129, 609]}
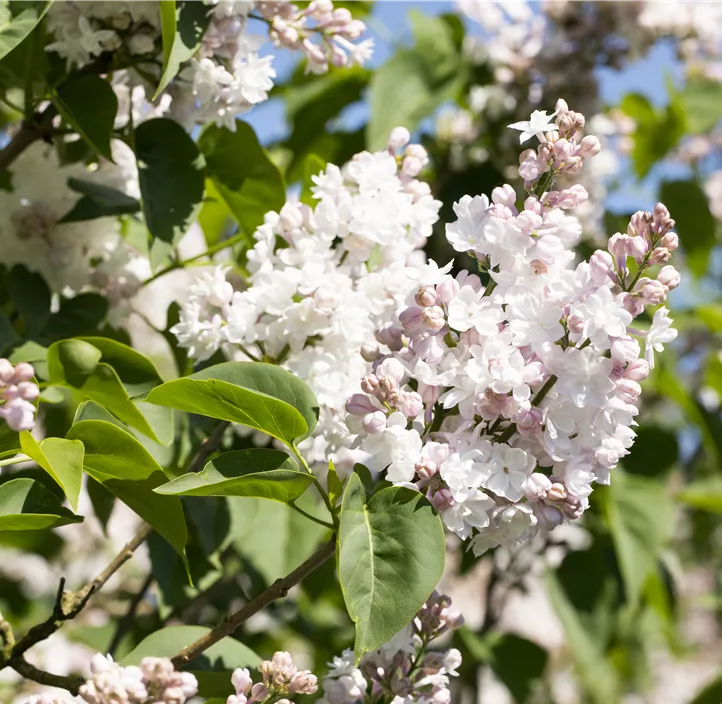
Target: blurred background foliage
{"type": "Point", "coordinates": [625, 608]}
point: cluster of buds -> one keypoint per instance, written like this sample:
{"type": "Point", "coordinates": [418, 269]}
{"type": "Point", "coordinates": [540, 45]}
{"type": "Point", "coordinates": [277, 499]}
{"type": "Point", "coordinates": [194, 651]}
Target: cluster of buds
{"type": "Point", "coordinates": [650, 241]}
{"type": "Point", "coordinates": [280, 678]}
{"type": "Point", "coordinates": [294, 28]}
{"type": "Point", "coordinates": [561, 150]}
{"type": "Point", "coordinates": [17, 392]}
{"type": "Point", "coordinates": [154, 681]}
{"type": "Point", "coordinates": [411, 160]}
{"type": "Point", "coordinates": [403, 670]}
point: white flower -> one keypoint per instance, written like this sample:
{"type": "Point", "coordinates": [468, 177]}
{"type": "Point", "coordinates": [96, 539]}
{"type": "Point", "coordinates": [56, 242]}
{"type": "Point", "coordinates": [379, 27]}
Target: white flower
{"type": "Point", "coordinates": [537, 124]}
{"type": "Point", "coordinates": [470, 309]}
{"type": "Point", "coordinates": [602, 317]}
{"type": "Point", "coordinates": [659, 334]}
{"type": "Point", "coordinates": [508, 468]}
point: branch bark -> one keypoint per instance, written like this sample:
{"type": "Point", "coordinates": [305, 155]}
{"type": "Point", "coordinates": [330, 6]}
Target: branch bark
{"type": "Point", "coordinates": [277, 590]}
{"type": "Point", "coordinates": [30, 131]}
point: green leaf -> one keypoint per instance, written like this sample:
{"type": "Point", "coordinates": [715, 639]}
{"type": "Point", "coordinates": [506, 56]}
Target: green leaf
{"type": "Point", "coordinates": [122, 465]}
{"type": "Point", "coordinates": [214, 217]}
{"type": "Point", "coordinates": [655, 451]}
{"type": "Point", "coordinates": [390, 559]}
{"type": "Point", "coordinates": [335, 487]}
{"type": "Point", "coordinates": [261, 396]}
{"type": "Point", "coordinates": [25, 504]}
{"type": "Point", "coordinates": [267, 474]}
{"type": "Point", "coordinates": [640, 517]}
{"type": "Point", "coordinates": [587, 654]}
{"type": "Point", "coordinates": [658, 130]}
{"type": "Point", "coordinates": [61, 459]}
{"type": "Point", "coordinates": [99, 201]}
{"type": "Point", "coordinates": [212, 669]}
{"type": "Point", "coordinates": [170, 173]}
{"type": "Point", "coordinates": [696, 226]}
{"type": "Point", "coordinates": [414, 82]}
{"type": "Point", "coordinates": [702, 102]}
{"type": "Point", "coordinates": [14, 31]}
{"type": "Point", "coordinates": [242, 173]}
{"type": "Point", "coordinates": [135, 370]}
{"type": "Point", "coordinates": [710, 315]}
{"type": "Point", "coordinates": [31, 297]}
{"type": "Point", "coordinates": [78, 315]}
{"type": "Point", "coordinates": [76, 364]}
{"type": "Point", "coordinates": [710, 694]}
{"type": "Point", "coordinates": [89, 105]}
{"type": "Point", "coordinates": [313, 165]}
{"type": "Point", "coordinates": [704, 494]}
{"type": "Point", "coordinates": [183, 25]}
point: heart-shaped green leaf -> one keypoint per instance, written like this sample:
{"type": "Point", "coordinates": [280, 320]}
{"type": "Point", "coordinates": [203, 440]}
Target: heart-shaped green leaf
{"type": "Point", "coordinates": [390, 559]}
{"type": "Point", "coordinates": [260, 473]}
{"type": "Point", "coordinates": [25, 504]}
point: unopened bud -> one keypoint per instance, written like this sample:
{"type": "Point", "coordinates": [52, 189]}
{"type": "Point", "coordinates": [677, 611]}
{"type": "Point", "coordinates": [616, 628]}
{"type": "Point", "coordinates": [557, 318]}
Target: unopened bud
{"type": "Point", "coordinates": [653, 292]}
{"type": "Point", "coordinates": [426, 297]}
{"type": "Point", "coordinates": [557, 492]}
{"type": "Point", "coordinates": [6, 371]}
{"type": "Point", "coordinates": [434, 317]}
{"type": "Point", "coordinates": [638, 370]}
{"type": "Point", "coordinates": [536, 486]}
{"type": "Point", "coordinates": [670, 241]}
{"type": "Point", "coordinates": [303, 682]}
{"type": "Point", "coordinates": [548, 517]}
{"type": "Point", "coordinates": [241, 680]}
{"type": "Point", "coordinates": [660, 255]}
{"type": "Point", "coordinates": [425, 468]}
{"type": "Point", "coordinates": [398, 138]}
{"type": "Point", "coordinates": [370, 384]}
{"type": "Point", "coordinates": [628, 390]}
{"type": "Point", "coordinates": [412, 318]}
{"type": "Point", "coordinates": [375, 423]}
{"type": "Point", "coordinates": [370, 353]}
{"type": "Point", "coordinates": [23, 372]}
{"type": "Point", "coordinates": [669, 277]}
{"type": "Point", "coordinates": [390, 336]}
{"type": "Point", "coordinates": [589, 146]}
{"type": "Point", "coordinates": [359, 405]}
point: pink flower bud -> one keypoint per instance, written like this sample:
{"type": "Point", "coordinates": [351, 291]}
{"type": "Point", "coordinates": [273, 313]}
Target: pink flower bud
{"type": "Point", "coordinates": [557, 492]}
{"type": "Point", "coordinates": [18, 414]}
{"type": "Point", "coordinates": [426, 297]}
{"type": "Point", "coordinates": [548, 517]}
{"type": "Point", "coordinates": [536, 486]}
{"type": "Point", "coordinates": [561, 107]}
{"type": "Point", "coordinates": [259, 691]}
{"type": "Point", "coordinates": [425, 468]}
{"type": "Point", "coordinates": [6, 371]}
{"type": "Point", "coordinates": [399, 138]}
{"type": "Point", "coordinates": [632, 304]}
{"type": "Point", "coordinates": [447, 290]}
{"type": "Point", "coordinates": [442, 500]}
{"type": "Point", "coordinates": [637, 247]}
{"type": "Point", "coordinates": [412, 318]}
{"type": "Point", "coordinates": [670, 241]}
{"type": "Point", "coordinates": [572, 507]}
{"type": "Point", "coordinates": [430, 394]}
{"type": "Point", "coordinates": [434, 318]}
{"type": "Point", "coordinates": [653, 292]}
{"type": "Point", "coordinates": [359, 405]}
{"type": "Point", "coordinates": [601, 264]}
{"type": "Point", "coordinates": [303, 682]}
{"type": "Point", "coordinates": [390, 336]}
{"type": "Point", "coordinates": [638, 370]}
{"type": "Point", "coordinates": [375, 423]}
{"type": "Point", "coordinates": [391, 367]}
{"type": "Point", "coordinates": [370, 353]}
{"type": "Point", "coordinates": [669, 277]}
{"type": "Point", "coordinates": [589, 146]}
{"type": "Point", "coordinates": [504, 195]}
{"type": "Point", "coordinates": [370, 384]}
{"type": "Point", "coordinates": [387, 385]}
{"type": "Point", "coordinates": [28, 390]}
{"type": "Point", "coordinates": [23, 372]}
{"type": "Point", "coordinates": [409, 403]}
{"type": "Point", "coordinates": [575, 324]}
{"type": "Point", "coordinates": [625, 350]}
{"type": "Point", "coordinates": [617, 246]}
{"type": "Point", "coordinates": [660, 255]}
{"type": "Point", "coordinates": [411, 166]}
{"type": "Point", "coordinates": [291, 216]}
{"type": "Point", "coordinates": [628, 390]}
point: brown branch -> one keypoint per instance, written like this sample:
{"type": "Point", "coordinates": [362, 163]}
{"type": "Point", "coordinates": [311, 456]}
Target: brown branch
{"type": "Point", "coordinates": [69, 604]}
{"type": "Point", "coordinates": [207, 447]}
{"type": "Point", "coordinates": [72, 682]}
{"type": "Point", "coordinates": [277, 590]}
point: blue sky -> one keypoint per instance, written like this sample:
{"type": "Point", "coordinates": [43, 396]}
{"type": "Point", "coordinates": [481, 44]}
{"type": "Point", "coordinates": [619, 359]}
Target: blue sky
{"type": "Point", "coordinates": [389, 26]}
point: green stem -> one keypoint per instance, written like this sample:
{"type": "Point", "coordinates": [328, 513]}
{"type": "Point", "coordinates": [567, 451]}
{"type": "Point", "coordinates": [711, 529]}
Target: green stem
{"type": "Point", "coordinates": [320, 522]}
{"type": "Point", "coordinates": [218, 247]}
{"type": "Point", "coordinates": [14, 460]}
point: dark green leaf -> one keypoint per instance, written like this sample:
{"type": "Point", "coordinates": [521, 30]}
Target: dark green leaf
{"type": "Point", "coordinates": [25, 504]}
{"type": "Point", "coordinates": [390, 559]}
{"type": "Point", "coordinates": [696, 226]}
{"type": "Point", "coordinates": [711, 694]}
{"type": "Point", "coordinates": [170, 172]}
{"type": "Point", "coordinates": [124, 467]}
{"type": "Point", "coordinates": [14, 31]}
{"type": "Point", "coordinates": [99, 201]}
{"type": "Point", "coordinates": [243, 175]}
{"type": "Point", "coordinates": [182, 26]}
{"type": "Point", "coordinates": [61, 459]}
{"type": "Point", "coordinates": [519, 663]}
{"type": "Point", "coordinates": [31, 297]}
{"type": "Point", "coordinates": [76, 364]}
{"type": "Point", "coordinates": [89, 105]}
{"type": "Point", "coordinates": [214, 217]}
{"type": "Point", "coordinates": [79, 315]}
{"type": "Point", "coordinates": [261, 473]}
{"type": "Point", "coordinates": [261, 396]}
{"type": "Point", "coordinates": [655, 451]}
{"type": "Point", "coordinates": [102, 500]}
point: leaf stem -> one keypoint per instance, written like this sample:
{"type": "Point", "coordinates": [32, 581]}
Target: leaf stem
{"type": "Point", "coordinates": [277, 590]}
{"type": "Point", "coordinates": [320, 522]}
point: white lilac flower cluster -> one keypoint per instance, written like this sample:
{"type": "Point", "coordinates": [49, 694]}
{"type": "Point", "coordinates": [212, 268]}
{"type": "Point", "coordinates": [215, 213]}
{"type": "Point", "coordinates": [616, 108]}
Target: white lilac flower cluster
{"type": "Point", "coordinates": [154, 681]}
{"type": "Point", "coordinates": [504, 403]}
{"type": "Point", "coordinates": [280, 678]}
{"type": "Point", "coordinates": [324, 280]}
{"type": "Point", "coordinates": [404, 670]}
{"type": "Point", "coordinates": [17, 393]}
{"type": "Point", "coordinates": [71, 256]}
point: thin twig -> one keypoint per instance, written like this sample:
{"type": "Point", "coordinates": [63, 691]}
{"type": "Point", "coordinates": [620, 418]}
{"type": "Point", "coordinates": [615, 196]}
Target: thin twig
{"type": "Point", "coordinates": [30, 131]}
{"type": "Point", "coordinates": [69, 604]}
{"type": "Point", "coordinates": [72, 682]}
{"type": "Point", "coordinates": [277, 590]}
{"type": "Point", "coordinates": [207, 447]}
{"type": "Point", "coordinates": [126, 622]}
